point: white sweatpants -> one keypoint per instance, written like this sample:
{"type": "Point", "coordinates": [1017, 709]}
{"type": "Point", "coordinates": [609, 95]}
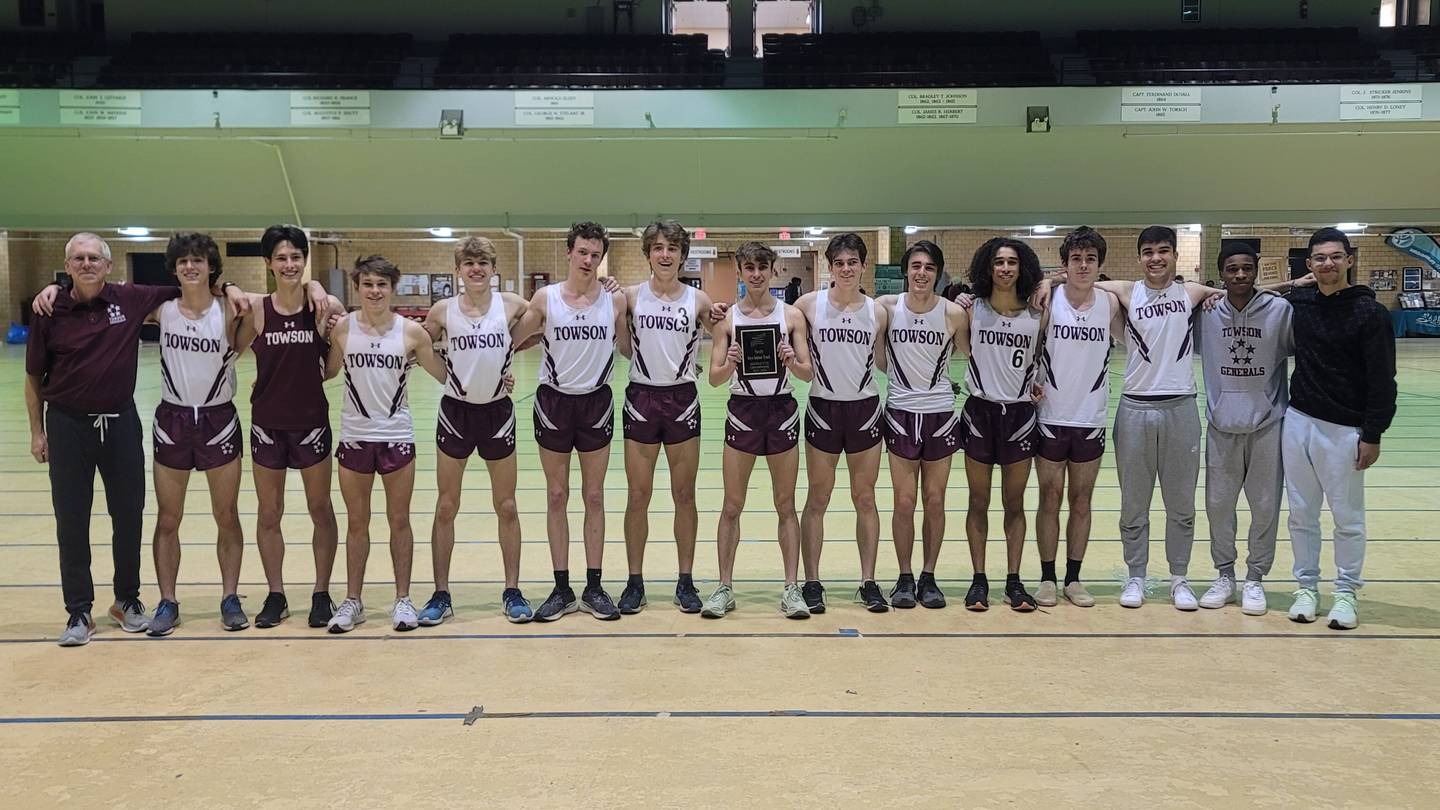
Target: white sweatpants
{"type": "Point", "coordinates": [1319, 460]}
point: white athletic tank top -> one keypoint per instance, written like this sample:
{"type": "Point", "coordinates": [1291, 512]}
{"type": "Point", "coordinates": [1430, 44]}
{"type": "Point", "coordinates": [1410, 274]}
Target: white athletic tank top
{"type": "Point", "coordinates": [919, 347]}
{"type": "Point", "coordinates": [761, 388]}
{"type": "Point", "coordinates": [1075, 359]}
{"type": "Point", "coordinates": [1159, 360]}
{"type": "Point", "coordinates": [1002, 353]}
{"type": "Point", "coordinates": [664, 336]}
{"type": "Point", "coordinates": [377, 408]}
{"type": "Point", "coordinates": [842, 350]}
{"type": "Point", "coordinates": [477, 352]}
{"type": "Point", "coordinates": [579, 344]}
{"type": "Point", "coordinates": [197, 363]}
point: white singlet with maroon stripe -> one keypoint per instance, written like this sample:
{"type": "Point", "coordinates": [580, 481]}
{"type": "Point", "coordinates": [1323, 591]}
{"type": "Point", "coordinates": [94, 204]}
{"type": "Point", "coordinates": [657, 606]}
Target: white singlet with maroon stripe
{"type": "Point", "coordinates": [1160, 355]}
{"type": "Point", "coordinates": [1075, 360]}
{"type": "Point", "coordinates": [664, 336]}
{"type": "Point", "coordinates": [761, 388]}
{"type": "Point", "coordinates": [579, 344]}
{"type": "Point", "coordinates": [919, 346]}
{"type": "Point", "coordinates": [1002, 353]}
{"type": "Point", "coordinates": [477, 352]}
{"type": "Point", "coordinates": [197, 363]}
{"type": "Point", "coordinates": [842, 351]}
{"type": "Point", "coordinates": [377, 408]}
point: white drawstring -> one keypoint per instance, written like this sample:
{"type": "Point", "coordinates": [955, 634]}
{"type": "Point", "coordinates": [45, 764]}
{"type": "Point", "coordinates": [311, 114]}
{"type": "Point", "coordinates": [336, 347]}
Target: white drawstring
{"type": "Point", "coordinates": [102, 421]}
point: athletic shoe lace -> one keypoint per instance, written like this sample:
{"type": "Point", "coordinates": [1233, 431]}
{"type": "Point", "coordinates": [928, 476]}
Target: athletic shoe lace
{"type": "Point", "coordinates": [134, 606]}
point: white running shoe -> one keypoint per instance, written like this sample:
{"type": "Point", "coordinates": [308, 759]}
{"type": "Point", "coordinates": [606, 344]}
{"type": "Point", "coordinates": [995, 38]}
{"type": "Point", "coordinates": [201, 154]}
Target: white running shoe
{"type": "Point", "coordinates": [403, 615]}
{"type": "Point", "coordinates": [722, 601]}
{"type": "Point", "coordinates": [1134, 594]}
{"type": "Point", "coordinates": [792, 603]}
{"type": "Point", "coordinates": [1181, 595]}
{"type": "Point", "coordinates": [347, 616]}
{"type": "Point", "coordinates": [1307, 601]}
{"type": "Point", "coordinates": [1252, 599]}
{"type": "Point", "coordinates": [1221, 592]}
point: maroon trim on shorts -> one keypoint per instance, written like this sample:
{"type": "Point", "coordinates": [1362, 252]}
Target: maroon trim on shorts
{"type": "Point", "coordinates": [922, 436]}
{"type": "Point", "coordinates": [486, 429]}
{"type": "Point", "coordinates": [661, 414]}
{"type": "Point", "coordinates": [843, 426]}
{"type": "Point", "coordinates": [368, 458]}
{"type": "Point", "coordinates": [578, 422]}
{"type": "Point", "coordinates": [289, 449]}
{"type": "Point", "coordinates": [998, 433]}
{"type": "Point", "coordinates": [762, 426]}
{"type": "Point", "coordinates": [1079, 445]}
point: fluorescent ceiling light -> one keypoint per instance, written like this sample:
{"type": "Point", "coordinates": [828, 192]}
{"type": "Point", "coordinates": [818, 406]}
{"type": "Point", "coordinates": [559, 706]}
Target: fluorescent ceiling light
{"type": "Point", "coordinates": [442, 232]}
{"type": "Point", "coordinates": [912, 229]}
{"type": "Point", "coordinates": [133, 230]}
{"type": "Point", "coordinates": [1043, 229]}
{"type": "Point", "coordinates": [1196, 228]}
{"type": "Point", "coordinates": [1351, 227]}
{"type": "Point", "coordinates": [815, 231]}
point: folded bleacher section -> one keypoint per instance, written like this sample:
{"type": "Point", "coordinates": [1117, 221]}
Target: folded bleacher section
{"type": "Point", "coordinates": [258, 60]}
{"type": "Point", "coordinates": [918, 59]}
{"type": "Point", "coordinates": [40, 59]}
{"type": "Point", "coordinates": [1232, 56]}
{"type": "Point", "coordinates": [505, 61]}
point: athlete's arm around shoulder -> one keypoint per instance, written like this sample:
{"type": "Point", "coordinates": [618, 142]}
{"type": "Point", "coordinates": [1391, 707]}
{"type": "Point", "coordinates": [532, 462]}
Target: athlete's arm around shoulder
{"type": "Point", "coordinates": [530, 322]}
{"type": "Point", "coordinates": [1197, 293]}
{"type": "Point", "coordinates": [703, 314]}
{"type": "Point", "coordinates": [621, 299]}
{"type": "Point", "coordinates": [336, 358]}
{"type": "Point", "coordinates": [1120, 288]}
{"type": "Point", "coordinates": [515, 308]}
{"type": "Point", "coordinates": [882, 334]}
{"type": "Point", "coordinates": [957, 320]}
{"type": "Point", "coordinates": [335, 314]}
{"type": "Point", "coordinates": [1117, 316]}
{"type": "Point", "coordinates": [434, 324]}
{"type": "Point", "coordinates": [724, 355]}
{"type": "Point", "coordinates": [806, 305]}
{"type": "Point", "coordinates": [421, 346]}
{"type": "Point", "coordinates": [797, 342]}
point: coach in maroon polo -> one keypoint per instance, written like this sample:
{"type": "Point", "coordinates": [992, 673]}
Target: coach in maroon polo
{"type": "Point", "coordinates": [81, 362]}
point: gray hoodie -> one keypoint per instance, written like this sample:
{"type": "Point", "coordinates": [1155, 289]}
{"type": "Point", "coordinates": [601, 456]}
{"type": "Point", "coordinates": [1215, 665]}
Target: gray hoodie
{"type": "Point", "coordinates": [1243, 353]}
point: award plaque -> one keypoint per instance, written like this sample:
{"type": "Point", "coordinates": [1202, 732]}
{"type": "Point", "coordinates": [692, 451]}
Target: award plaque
{"type": "Point", "coordinates": [759, 351]}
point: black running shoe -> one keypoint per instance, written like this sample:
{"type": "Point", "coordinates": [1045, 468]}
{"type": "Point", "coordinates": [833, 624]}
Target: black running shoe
{"type": "Point", "coordinates": [632, 599]}
{"type": "Point", "coordinates": [930, 595]}
{"type": "Point", "coordinates": [870, 596]}
{"type": "Point", "coordinates": [560, 602]}
{"type": "Point", "coordinates": [1017, 597]}
{"type": "Point", "coordinates": [903, 595]}
{"type": "Point", "coordinates": [687, 598]}
{"type": "Point", "coordinates": [814, 594]}
{"type": "Point", "coordinates": [978, 597]}
{"type": "Point", "coordinates": [321, 609]}
{"type": "Point", "coordinates": [276, 610]}
{"type": "Point", "coordinates": [596, 602]}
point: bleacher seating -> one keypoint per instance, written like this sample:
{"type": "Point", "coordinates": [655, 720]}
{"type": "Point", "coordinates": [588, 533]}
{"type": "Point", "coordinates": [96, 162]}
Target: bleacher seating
{"type": "Point", "coordinates": [258, 60]}
{"type": "Point", "coordinates": [1232, 56]}
{"type": "Point", "coordinates": [40, 59]}
{"type": "Point", "coordinates": [918, 59]}
{"type": "Point", "coordinates": [559, 60]}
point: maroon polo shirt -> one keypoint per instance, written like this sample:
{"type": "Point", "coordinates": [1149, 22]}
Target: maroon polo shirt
{"type": "Point", "coordinates": [86, 353]}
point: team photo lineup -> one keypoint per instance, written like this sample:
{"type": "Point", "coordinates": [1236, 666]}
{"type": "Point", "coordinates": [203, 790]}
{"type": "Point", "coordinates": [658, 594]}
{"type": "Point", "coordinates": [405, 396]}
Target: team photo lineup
{"type": "Point", "coordinates": [1299, 388]}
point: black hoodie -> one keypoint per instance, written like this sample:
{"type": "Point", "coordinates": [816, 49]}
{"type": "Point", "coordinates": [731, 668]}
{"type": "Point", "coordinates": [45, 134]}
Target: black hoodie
{"type": "Point", "coordinates": [1344, 359]}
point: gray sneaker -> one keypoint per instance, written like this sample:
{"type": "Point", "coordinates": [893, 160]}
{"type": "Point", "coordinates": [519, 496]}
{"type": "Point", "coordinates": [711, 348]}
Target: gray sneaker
{"type": "Point", "coordinates": [130, 615]}
{"type": "Point", "coordinates": [722, 601]}
{"type": "Point", "coordinates": [232, 616]}
{"type": "Point", "coordinates": [166, 618]}
{"type": "Point", "coordinates": [77, 631]}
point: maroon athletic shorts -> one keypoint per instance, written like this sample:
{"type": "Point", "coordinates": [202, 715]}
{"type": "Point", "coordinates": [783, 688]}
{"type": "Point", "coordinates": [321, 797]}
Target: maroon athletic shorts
{"type": "Point", "coordinates": [373, 457]}
{"type": "Point", "coordinates": [1068, 443]}
{"type": "Point", "coordinates": [487, 428]}
{"type": "Point", "coordinates": [582, 422]}
{"type": "Point", "coordinates": [842, 426]}
{"type": "Point", "coordinates": [661, 414]}
{"type": "Point", "coordinates": [998, 433]}
{"type": "Point", "coordinates": [762, 426]}
{"type": "Point", "coordinates": [293, 449]}
{"type": "Point", "coordinates": [196, 438]}
{"type": "Point", "coordinates": [922, 436]}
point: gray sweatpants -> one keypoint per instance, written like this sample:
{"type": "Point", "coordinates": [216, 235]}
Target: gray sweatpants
{"type": "Point", "coordinates": [1157, 439]}
{"type": "Point", "coordinates": [1250, 461]}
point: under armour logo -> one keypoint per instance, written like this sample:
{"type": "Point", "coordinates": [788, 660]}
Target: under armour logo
{"type": "Point", "coordinates": [917, 321]}
{"type": "Point", "coordinates": [190, 327]}
{"type": "Point", "coordinates": [667, 309]}
{"type": "Point", "coordinates": [289, 324]}
{"type": "Point", "coordinates": [846, 320]}
{"type": "Point", "coordinates": [580, 317]}
{"type": "Point", "coordinates": [374, 344]}
{"type": "Point", "coordinates": [1005, 324]}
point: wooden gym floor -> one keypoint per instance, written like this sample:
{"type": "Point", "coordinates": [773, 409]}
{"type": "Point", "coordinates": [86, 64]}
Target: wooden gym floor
{"type": "Point", "coordinates": [1100, 707]}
